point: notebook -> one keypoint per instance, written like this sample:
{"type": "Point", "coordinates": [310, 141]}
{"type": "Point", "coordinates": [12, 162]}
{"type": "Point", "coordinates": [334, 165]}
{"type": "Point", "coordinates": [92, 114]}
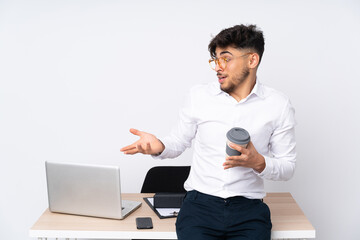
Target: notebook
{"type": "Point", "coordinates": [86, 189]}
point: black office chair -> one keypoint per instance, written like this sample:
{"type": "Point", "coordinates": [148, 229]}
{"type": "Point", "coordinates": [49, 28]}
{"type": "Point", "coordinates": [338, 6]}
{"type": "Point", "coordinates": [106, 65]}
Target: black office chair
{"type": "Point", "coordinates": [165, 179]}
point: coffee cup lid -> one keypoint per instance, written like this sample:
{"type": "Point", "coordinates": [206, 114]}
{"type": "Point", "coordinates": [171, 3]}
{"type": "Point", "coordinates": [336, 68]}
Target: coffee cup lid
{"type": "Point", "coordinates": [238, 136]}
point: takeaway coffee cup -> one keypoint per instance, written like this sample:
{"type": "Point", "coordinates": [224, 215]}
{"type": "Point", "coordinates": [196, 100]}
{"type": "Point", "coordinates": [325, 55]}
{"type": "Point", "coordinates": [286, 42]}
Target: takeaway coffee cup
{"type": "Point", "coordinates": [238, 136]}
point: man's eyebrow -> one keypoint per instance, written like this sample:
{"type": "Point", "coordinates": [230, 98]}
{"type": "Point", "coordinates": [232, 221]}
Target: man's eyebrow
{"type": "Point", "coordinates": [224, 52]}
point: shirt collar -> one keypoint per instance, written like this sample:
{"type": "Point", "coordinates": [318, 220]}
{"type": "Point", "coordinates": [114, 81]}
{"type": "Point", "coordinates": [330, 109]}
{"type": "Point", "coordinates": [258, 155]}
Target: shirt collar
{"type": "Point", "coordinates": [257, 89]}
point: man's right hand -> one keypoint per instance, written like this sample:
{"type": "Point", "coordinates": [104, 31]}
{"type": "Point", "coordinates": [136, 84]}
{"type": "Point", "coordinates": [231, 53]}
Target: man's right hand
{"type": "Point", "coordinates": [147, 144]}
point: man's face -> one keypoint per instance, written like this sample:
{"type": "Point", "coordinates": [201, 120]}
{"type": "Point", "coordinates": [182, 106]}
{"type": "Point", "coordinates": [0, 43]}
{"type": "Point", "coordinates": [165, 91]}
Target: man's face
{"type": "Point", "coordinates": [236, 68]}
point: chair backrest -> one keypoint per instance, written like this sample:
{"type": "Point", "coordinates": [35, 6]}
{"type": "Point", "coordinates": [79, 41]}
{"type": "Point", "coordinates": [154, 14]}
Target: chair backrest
{"type": "Point", "coordinates": [165, 179]}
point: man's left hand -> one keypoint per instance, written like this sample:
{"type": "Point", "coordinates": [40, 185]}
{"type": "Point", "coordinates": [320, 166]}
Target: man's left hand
{"type": "Point", "coordinates": [249, 158]}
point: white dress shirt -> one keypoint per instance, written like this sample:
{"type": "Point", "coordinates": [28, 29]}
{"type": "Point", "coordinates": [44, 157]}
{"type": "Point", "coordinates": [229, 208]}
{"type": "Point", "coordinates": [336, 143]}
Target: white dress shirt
{"type": "Point", "coordinates": [206, 118]}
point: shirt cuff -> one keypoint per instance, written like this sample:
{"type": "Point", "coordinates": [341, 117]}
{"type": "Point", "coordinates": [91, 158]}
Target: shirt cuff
{"type": "Point", "coordinates": [268, 168]}
{"type": "Point", "coordinates": [164, 153]}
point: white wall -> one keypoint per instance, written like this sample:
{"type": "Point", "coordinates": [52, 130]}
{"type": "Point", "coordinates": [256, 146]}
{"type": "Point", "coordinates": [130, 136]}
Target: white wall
{"type": "Point", "coordinates": [76, 75]}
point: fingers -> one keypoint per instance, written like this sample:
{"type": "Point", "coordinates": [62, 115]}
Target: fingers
{"type": "Point", "coordinates": [140, 148]}
{"type": "Point", "coordinates": [143, 145]}
{"type": "Point", "coordinates": [232, 162]}
{"type": "Point", "coordinates": [135, 132]}
{"type": "Point", "coordinates": [144, 148]}
{"type": "Point", "coordinates": [137, 148]}
{"type": "Point", "coordinates": [236, 161]}
{"type": "Point", "coordinates": [131, 151]}
{"type": "Point", "coordinates": [237, 147]}
{"type": "Point", "coordinates": [249, 157]}
{"type": "Point", "coordinates": [127, 148]}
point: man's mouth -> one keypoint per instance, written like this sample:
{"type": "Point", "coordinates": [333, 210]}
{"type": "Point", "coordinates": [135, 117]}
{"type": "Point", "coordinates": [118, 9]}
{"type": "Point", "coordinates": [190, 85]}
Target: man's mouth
{"type": "Point", "coordinates": [221, 78]}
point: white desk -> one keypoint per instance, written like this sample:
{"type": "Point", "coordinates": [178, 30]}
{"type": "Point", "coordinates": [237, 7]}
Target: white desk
{"type": "Point", "coordinates": [289, 222]}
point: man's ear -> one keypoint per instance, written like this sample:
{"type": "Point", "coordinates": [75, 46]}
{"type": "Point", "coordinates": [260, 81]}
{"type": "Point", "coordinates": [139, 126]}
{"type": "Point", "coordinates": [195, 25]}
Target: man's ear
{"type": "Point", "coordinates": [254, 60]}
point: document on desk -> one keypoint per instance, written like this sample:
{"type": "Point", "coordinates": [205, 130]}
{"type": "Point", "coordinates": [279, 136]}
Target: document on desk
{"type": "Point", "coordinates": [162, 212]}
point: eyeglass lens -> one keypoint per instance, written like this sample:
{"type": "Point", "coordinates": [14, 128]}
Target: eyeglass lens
{"type": "Point", "coordinates": [220, 61]}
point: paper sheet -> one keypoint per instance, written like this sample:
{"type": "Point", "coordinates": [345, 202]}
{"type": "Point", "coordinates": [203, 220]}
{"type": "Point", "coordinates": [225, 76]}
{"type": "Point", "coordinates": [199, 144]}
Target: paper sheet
{"type": "Point", "coordinates": [165, 212]}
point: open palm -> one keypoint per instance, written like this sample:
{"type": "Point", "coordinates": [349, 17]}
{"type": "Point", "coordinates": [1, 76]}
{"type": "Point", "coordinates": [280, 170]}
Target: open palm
{"type": "Point", "coordinates": [147, 144]}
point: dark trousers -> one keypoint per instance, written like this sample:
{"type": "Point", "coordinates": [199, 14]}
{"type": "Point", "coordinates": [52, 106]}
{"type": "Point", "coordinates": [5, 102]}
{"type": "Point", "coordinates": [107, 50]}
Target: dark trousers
{"type": "Point", "coordinates": [205, 217]}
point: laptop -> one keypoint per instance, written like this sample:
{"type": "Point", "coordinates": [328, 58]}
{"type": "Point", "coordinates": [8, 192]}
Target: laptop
{"type": "Point", "coordinates": [88, 190]}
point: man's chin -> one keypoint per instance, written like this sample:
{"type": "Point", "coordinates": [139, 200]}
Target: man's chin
{"type": "Point", "coordinates": [224, 88]}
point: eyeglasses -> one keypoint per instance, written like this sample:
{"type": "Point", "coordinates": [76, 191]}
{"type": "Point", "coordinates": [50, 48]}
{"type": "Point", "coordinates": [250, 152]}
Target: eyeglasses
{"type": "Point", "coordinates": [222, 61]}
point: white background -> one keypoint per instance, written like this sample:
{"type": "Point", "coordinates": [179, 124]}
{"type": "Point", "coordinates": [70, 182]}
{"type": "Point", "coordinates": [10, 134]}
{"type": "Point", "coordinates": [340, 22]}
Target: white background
{"type": "Point", "coordinates": [76, 75]}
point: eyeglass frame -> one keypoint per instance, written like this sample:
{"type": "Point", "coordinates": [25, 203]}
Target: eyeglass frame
{"type": "Point", "coordinates": [226, 60]}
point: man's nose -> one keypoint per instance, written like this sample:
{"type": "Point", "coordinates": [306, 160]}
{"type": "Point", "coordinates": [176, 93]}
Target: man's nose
{"type": "Point", "coordinates": [217, 67]}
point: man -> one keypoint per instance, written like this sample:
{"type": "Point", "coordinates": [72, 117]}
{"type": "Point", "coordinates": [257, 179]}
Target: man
{"type": "Point", "coordinates": [224, 198]}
